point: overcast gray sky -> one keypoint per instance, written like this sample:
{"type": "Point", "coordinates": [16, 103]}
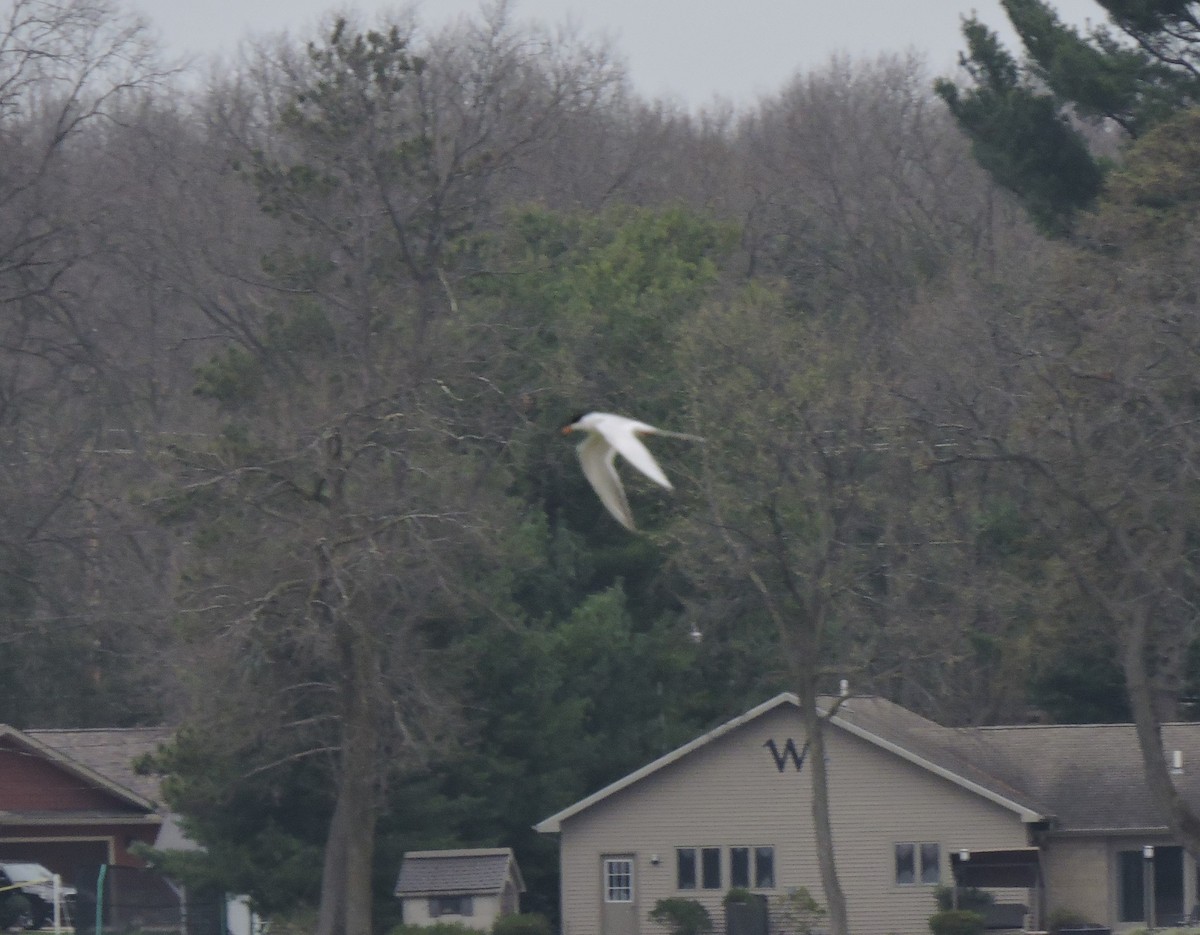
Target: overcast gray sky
{"type": "Point", "coordinates": [687, 50]}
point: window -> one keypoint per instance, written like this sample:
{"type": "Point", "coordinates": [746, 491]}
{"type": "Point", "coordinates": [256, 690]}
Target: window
{"type": "Point", "coordinates": [710, 868]}
{"type": "Point", "coordinates": [748, 866]}
{"type": "Point", "coordinates": [918, 863]}
{"type": "Point", "coordinates": [764, 867]}
{"type": "Point", "coordinates": [685, 868]}
{"type": "Point", "coordinates": [618, 880]}
{"type": "Point", "coordinates": [1165, 865]}
{"type": "Point", "coordinates": [1130, 889]}
{"type": "Point", "coordinates": [739, 867]}
{"type": "Point", "coordinates": [451, 906]}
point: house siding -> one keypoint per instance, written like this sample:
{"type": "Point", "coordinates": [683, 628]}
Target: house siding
{"type": "Point", "coordinates": [730, 792]}
{"type": "Point", "coordinates": [484, 912]}
{"type": "Point", "coordinates": [29, 782]}
{"type": "Point", "coordinates": [1079, 878]}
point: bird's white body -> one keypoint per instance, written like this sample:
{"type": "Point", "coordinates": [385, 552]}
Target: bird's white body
{"type": "Point", "coordinates": [608, 436]}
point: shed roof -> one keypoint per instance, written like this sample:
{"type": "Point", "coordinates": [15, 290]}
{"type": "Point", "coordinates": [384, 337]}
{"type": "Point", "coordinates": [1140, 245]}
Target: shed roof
{"type": "Point", "coordinates": [478, 871]}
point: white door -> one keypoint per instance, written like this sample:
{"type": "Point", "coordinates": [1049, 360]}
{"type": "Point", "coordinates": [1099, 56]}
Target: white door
{"type": "Point", "coordinates": [618, 895]}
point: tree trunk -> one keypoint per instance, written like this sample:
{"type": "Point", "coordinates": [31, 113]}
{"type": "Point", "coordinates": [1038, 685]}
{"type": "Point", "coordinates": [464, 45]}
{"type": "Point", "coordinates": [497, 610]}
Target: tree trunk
{"type": "Point", "coordinates": [835, 899]}
{"type": "Point", "coordinates": [345, 907]}
{"type": "Point", "coordinates": [1180, 818]}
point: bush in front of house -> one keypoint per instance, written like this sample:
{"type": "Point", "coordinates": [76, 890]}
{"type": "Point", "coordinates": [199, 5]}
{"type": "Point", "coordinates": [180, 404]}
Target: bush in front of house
{"type": "Point", "coordinates": [798, 911]}
{"type": "Point", "coordinates": [438, 928]}
{"type": "Point", "coordinates": [969, 897]}
{"type": "Point", "coordinates": [1060, 919]}
{"type": "Point", "coordinates": [682, 916]}
{"type": "Point", "coordinates": [956, 922]}
{"type": "Point", "coordinates": [525, 923]}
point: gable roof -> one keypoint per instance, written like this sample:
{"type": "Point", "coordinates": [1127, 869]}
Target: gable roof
{"type": "Point", "coordinates": [1079, 779]}
{"type": "Point", "coordinates": [478, 871]}
{"type": "Point", "coordinates": [103, 758]}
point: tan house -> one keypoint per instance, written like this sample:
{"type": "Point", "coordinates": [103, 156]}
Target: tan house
{"type": "Point", "coordinates": [1047, 817]}
{"type": "Point", "coordinates": [472, 887]}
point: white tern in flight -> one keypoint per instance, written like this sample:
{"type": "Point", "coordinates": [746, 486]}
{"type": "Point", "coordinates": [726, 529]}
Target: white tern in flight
{"type": "Point", "coordinates": [608, 436]}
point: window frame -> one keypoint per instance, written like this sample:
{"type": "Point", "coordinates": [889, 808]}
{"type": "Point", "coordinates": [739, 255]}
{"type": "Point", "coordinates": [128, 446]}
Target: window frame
{"type": "Point", "coordinates": [764, 857]}
{"type": "Point", "coordinates": [739, 867]}
{"type": "Point", "coordinates": [690, 853]}
{"type": "Point", "coordinates": [450, 905]}
{"type": "Point", "coordinates": [921, 862]}
{"type": "Point", "coordinates": [711, 876]}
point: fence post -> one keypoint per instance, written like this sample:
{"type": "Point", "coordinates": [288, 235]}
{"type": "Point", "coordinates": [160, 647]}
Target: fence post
{"type": "Point", "coordinates": [100, 898]}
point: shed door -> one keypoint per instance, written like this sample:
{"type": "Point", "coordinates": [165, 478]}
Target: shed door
{"type": "Point", "coordinates": [618, 907]}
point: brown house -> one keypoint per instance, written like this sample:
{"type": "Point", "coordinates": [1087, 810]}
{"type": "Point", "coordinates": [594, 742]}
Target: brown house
{"type": "Point", "coordinates": [71, 799]}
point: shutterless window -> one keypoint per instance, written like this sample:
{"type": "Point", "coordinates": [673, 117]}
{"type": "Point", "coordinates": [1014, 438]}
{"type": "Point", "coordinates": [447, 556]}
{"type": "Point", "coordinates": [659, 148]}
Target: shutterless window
{"type": "Point", "coordinates": [931, 864]}
{"type": "Point", "coordinates": [710, 868]}
{"type": "Point", "coordinates": [752, 866]}
{"type": "Point", "coordinates": [764, 867]}
{"type": "Point", "coordinates": [451, 906]}
{"type": "Point", "coordinates": [739, 867]}
{"type": "Point", "coordinates": [918, 863]}
{"type": "Point", "coordinates": [685, 868]}
{"type": "Point", "coordinates": [618, 880]}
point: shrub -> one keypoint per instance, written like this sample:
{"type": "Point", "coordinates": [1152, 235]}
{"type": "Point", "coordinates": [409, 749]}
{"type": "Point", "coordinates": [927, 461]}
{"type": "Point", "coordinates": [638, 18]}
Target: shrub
{"type": "Point", "coordinates": [438, 928]}
{"type": "Point", "coordinates": [1060, 919]}
{"type": "Point", "coordinates": [682, 916]}
{"type": "Point", "coordinates": [526, 923]}
{"type": "Point", "coordinates": [15, 908]}
{"type": "Point", "coordinates": [956, 922]}
{"type": "Point", "coordinates": [799, 911]}
{"type": "Point", "coordinates": [969, 897]}
{"type": "Point", "coordinates": [737, 894]}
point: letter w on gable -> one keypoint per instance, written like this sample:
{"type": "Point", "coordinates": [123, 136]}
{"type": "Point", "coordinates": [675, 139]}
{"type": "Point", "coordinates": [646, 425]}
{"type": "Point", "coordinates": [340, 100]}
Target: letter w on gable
{"type": "Point", "coordinates": [788, 752]}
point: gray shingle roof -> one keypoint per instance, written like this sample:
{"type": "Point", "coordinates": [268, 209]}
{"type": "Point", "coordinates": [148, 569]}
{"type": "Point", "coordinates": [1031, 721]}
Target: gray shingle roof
{"type": "Point", "coordinates": [1078, 778]}
{"type": "Point", "coordinates": [1091, 777]}
{"type": "Point", "coordinates": [1082, 777]}
{"type": "Point", "coordinates": [454, 872]}
{"type": "Point", "coordinates": [111, 753]}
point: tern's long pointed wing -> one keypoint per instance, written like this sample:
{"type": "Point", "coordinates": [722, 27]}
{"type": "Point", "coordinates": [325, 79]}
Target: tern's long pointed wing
{"type": "Point", "coordinates": [622, 436]}
{"type": "Point", "coordinates": [596, 456]}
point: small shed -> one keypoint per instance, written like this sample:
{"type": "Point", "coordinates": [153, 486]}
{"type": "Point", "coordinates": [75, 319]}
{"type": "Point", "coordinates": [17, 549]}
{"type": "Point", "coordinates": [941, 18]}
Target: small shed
{"type": "Point", "coordinates": [471, 886]}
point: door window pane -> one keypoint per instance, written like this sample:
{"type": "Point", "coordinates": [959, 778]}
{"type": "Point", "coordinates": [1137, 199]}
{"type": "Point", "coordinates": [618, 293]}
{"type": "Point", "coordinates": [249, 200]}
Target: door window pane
{"type": "Point", "coordinates": [618, 880]}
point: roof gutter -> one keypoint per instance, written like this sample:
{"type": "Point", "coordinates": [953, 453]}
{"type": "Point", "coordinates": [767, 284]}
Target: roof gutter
{"type": "Point", "coordinates": [1108, 832]}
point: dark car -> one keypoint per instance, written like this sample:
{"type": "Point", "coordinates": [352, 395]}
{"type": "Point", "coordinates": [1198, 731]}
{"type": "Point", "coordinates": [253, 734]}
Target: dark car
{"type": "Point", "coordinates": [36, 884]}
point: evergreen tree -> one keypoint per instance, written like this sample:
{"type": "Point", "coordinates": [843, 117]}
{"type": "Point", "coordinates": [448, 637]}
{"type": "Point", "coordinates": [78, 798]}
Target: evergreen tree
{"type": "Point", "coordinates": [1026, 120]}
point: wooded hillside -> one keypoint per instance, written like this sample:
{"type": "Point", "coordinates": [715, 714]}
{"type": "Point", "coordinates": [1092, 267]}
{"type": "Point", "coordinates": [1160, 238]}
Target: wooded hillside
{"type": "Point", "coordinates": [284, 355]}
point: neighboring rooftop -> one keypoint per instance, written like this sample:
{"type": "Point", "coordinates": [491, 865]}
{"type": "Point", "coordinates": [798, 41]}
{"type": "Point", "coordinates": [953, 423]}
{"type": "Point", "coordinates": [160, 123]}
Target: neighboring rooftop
{"type": "Point", "coordinates": [457, 872]}
{"type": "Point", "coordinates": [110, 752]}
